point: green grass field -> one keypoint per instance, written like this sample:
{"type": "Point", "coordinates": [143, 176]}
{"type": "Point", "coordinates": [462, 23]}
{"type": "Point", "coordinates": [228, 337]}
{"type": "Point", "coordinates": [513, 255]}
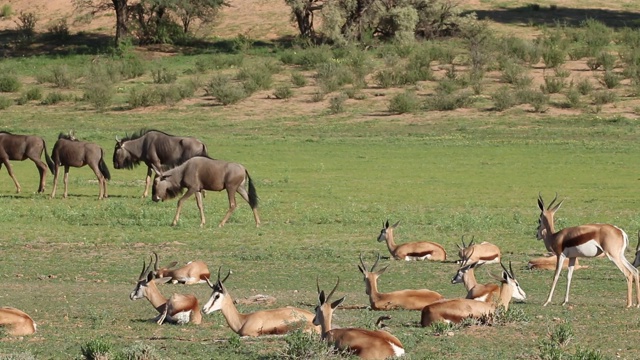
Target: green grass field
{"type": "Point", "coordinates": [326, 183]}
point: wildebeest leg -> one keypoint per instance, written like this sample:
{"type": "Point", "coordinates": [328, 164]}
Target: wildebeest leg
{"type": "Point", "coordinates": [101, 181]}
{"type": "Point", "coordinates": [232, 206]}
{"type": "Point", "coordinates": [10, 170]}
{"type": "Point", "coordinates": [147, 182]}
{"type": "Point", "coordinates": [42, 169]}
{"type": "Point", "coordinates": [243, 192]}
{"type": "Point", "coordinates": [55, 180]}
{"type": "Point", "coordinates": [200, 207]}
{"type": "Point", "coordinates": [66, 181]}
{"type": "Point", "coordinates": [182, 199]}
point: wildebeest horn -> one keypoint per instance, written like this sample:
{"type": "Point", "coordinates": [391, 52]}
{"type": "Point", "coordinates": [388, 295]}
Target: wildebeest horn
{"type": "Point", "coordinates": [155, 169]}
{"type": "Point", "coordinates": [117, 139]}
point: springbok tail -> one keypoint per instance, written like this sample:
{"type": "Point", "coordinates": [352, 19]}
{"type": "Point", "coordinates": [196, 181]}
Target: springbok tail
{"type": "Point", "coordinates": [50, 163]}
{"type": "Point", "coordinates": [103, 168]}
{"type": "Point", "coordinates": [626, 262]}
{"type": "Point", "coordinates": [253, 195]}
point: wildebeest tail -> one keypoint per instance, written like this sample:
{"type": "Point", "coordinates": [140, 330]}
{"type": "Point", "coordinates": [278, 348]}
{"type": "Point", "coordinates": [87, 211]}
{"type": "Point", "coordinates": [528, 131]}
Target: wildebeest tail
{"type": "Point", "coordinates": [253, 195]}
{"type": "Point", "coordinates": [103, 167]}
{"type": "Point", "coordinates": [50, 163]}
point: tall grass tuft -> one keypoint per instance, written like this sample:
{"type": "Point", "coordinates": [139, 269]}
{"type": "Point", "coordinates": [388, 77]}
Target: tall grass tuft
{"type": "Point", "coordinates": [610, 80]}
{"type": "Point", "coordinates": [503, 99]}
{"type": "Point", "coordinates": [336, 104]}
{"type": "Point", "coordinates": [5, 102]}
{"type": "Point", "coordinates": [405, 102]}
{"type": "Point", "coordinates": [6, 11]}
{"type": "Point", "coordinates": [96, 349]}
{"type": "Point", "coordinates": [9, 83]}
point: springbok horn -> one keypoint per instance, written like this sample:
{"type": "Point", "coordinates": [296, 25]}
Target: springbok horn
{"type": "Point", "coordinates": [513, 275]}
{"type": "Point", "coordinates": [155, 264]}
{"type": "Point", "coordinates": [364, 267]}
{"type": "Point", "coordinates": [505, 269]}
{"type": "Point", "coordinates": [552, 201]}
{"type": "Point", "coordinates": [144, 267]}
{"type": "Point", "coordinates": [463, 244]}
{"type": "Point", "coordinates": [375, 263]}
{"type": "Point", "coordinates": [472, 239]}
{"type": "Point", "coordinates": [332, 291]}
{"type": "Point", "coordinates": [210, 283]}
{"type": "Point", "coordinates": [318, 285]}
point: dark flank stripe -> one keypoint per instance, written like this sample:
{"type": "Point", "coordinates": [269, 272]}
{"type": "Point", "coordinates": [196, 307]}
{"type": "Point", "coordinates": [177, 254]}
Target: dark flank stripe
{"type": "Point", "coordinates": [489, 258]}
{"type": "Point", "coordinates": [420, 254]}
{"type": "Point", "coordinates": [579, 240]}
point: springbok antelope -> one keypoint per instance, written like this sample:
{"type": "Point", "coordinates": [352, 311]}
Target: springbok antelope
{"type": "Point", "coordinates": [193, 272]}
{"type": "Point", "coordinates": [466, 275]}
{"type": "Point", "coordinates": [264, 322]}
{"type": "Point", "coordinates": [548, 262]}
{"type": "Point", "coordinates": [423, 250]}
{"type": "Point", "coordinates": [485, 252]}
{"type": "Point", "coordinates": [16, 322]}
{"type": "Point", "coordinates": [180, 309]}
{"type": "Point", "coordinates": [403, 299]}
{"type": "Point", "coordinates": [367, 344]}
{"type": "Point", "coordinates": [584, 241]}
{"type": "Point", "coordinates": [455, 310]}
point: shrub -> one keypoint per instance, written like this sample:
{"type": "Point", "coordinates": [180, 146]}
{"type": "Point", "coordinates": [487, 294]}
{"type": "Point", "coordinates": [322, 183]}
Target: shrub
{"type": "Point", "coordinates": [336, 104]}
{"type": "Point", "coordinates": [5, 102]}
{"type": "Point", "coordinates": [584, 86]}
{"type": "Point", "coordinates": [406, 102]}
{"type": "Point", "coordinates": [540, 103]}
{"type": "Point", "coordinates": [604, 97]}
{"type": "Point", "coordinates": [503, 98]}
{"type": "Point", "coordinates": [142, 97]}
{"type": "Point", "coordinates": [55, 97]}
{"type": "Point", "coordinates": [99, 94]}
{"type": "Point", "coordinates": [573, 98]}
{"type": "Point", "coordinates": [387, 78]}
{"type": "Point", "coordinates": [308, 58]}
{"type": "Point", "coordinates": [9, 83]}
{"type": "Point", "coordinates": [162, 75]}
{"type": "Point", "coordinates": [6, 11]}
{"type": "Point", "coordinates": [27, 25]}
{"type": "Point", "coordinates": [318, 96]}
{"type": "Point", "coordinates": [225, 91]}
{"type": "Point", "coordinates": [256, 77]}
{"type": "Point", "coordinates": [61, 76]}
{"type": "Point", "coordinates": [59, 29]}
{"type": "Point", "coordinates": [448, 102]}
{"type": "Point", "coordinates": [301, 345]}
{"type": "Point", "coordinates": [553, 56]}
{"type": "Point", "coordinates": [138, 351]}
{"type": "Point", "coordinates": [552, 85]}
{"type": "Point", "coordinates": [515, 74]}
{"type": "Point", "coordinates": [283, 92]}
{"type": "Point", "coordinates": [298, 79]}
{"type": "Point", "coordinates": [34, 93]}
{"type": "Point", "coordinates": [130, 67]}
{"type": "Point", "coordinates": [610, 79]}
{"type": "Point", "coordinates": [333, 75]}
{"type": "Point", "coordinates": [96, 349]}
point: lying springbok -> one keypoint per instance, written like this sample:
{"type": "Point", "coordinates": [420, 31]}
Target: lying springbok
{"type": "Point", "coordinates": [484, 252]}
{"type": "Point", "coordinates": [488, 292]}
{"type": "Point", "coordinates": [16, 322]}
{"type": "Point", "coordinates": [193, 272]}
{"type": "Point", "coordinates": [423, 250]}
{"type": "Point", "coordinates": [69, 151]}
{"type": "Point", "coordinates": [179, 309]}
{"type": "Point", "coordinates": [401, 299]}
{"type": "Point", "coordinates": [455, 310]}
{"type": "Point", "coordinates": [155, 148]}
{"type": "Point", "coordinates": [367, 344]}
{"type": "Point", "coordinates": [549, 261]}
{"type": "Point", "coordinates": [22, 147]}
{"type": "Point", "coordinates": [202, 173]}
{"type": "Point", "coordinates": [264, 322]}
{"type": "Point", "coordinates": [584, 241]}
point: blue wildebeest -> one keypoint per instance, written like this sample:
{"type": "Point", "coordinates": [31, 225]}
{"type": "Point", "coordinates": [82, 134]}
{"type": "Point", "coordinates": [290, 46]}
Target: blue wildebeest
{"type": "Point", "coordinates": [69, 151]}
{"type": "Point", "coordinates": [22, 147]}
{"type": "Point", "coordinates": [157, 149]}
{"type": "Point", "coordinates": [203, 173]}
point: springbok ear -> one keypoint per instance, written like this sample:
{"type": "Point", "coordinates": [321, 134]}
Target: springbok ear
{"type": "Point", "coordinates": [396, 224]}
{"type": "Point", "coordinates": [386, 225]}
{"type": "Point", "coordinates": [361, 269]}
{"type": "Point", "coordinates": [162, 280]}
{"type": "Point", "coordinates": [381, 271]}
{"type": "Point", "coordinates": [174, 263]}
{"type": "Point", "coordinates": [555, 208]}
{"type": "Point", "coordinates": [338, 302]}
{"type": "Point", "coordinates": [321, 297]}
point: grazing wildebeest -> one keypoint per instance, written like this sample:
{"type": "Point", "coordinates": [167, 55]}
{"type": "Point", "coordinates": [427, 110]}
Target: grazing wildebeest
{"type": "Point", "coordinates": [21, 147]}
{"type": "Point", "coordinates": [203, 173]}
{"type": "Point", "coordinates": [69, 151]}
{"type": "Point", "coordinates": [155, 148]}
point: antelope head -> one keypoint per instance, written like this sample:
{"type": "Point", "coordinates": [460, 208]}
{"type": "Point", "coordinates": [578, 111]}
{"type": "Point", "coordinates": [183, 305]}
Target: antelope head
{"type": "Point", "coordinates": [218, 294]}
{"type": "Point", "coordinates": [387, 231]}
{"type": "Point", "coordinates": [465, 266]}
{"type": "Point", "coordinates": [509, 278]}
{"type": "Point", "coordinates": [161, 272]}
{"type": "Point", "coordinates": [370, 276]}
{"type": "Point", "coordinates": [462, 249]}
{"type": "Point", "coordinates": [145, 280]}
{"type": "Point", "coordinates": [324, 310]}
{"type": "Point", "coordinates": [545, 223]}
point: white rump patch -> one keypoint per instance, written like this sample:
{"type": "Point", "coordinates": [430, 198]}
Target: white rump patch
{"type": "Point", "coordinates": [589, 249]}
{"type": "Point", "coordinates": [397, 350]}
{"type": "Point", "coordinates": [482, 298]}
{"type": "Point", "coordinates": [182, 317]}
{"type": "Point", "coordinates": [417, 258]}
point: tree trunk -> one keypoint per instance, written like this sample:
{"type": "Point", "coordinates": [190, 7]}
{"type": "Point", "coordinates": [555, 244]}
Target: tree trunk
{"type": "Point", "coordinates": [121, 20]}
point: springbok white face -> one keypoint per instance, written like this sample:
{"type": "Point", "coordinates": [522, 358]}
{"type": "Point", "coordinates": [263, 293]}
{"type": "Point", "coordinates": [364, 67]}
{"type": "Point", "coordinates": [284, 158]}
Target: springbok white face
{"type": "Point", "coordinates": [545, 221]}
{"type": "Point", "coordinates": [509, 278]}
{"type": "Point", "coordinates": [143, 280]}
{"type": "Point", "coordinates": [217, 296]}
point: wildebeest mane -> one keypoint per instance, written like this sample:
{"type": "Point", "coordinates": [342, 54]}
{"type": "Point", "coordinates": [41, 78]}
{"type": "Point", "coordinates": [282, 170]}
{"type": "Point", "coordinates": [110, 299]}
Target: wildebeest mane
{"type": "Point", "coordinates": [5, 132]}
{"type": "Point", "coordinates": [173, 166]}
{"type": "Point", "coordinates": [66, 137]}
{"type": "Point", "coordinates": [139, 134]}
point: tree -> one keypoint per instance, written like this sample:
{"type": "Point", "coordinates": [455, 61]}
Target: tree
{"type": "Point", "coordinates": [303, 12]}
{"type": "Point", "coordinates": [92, 7]}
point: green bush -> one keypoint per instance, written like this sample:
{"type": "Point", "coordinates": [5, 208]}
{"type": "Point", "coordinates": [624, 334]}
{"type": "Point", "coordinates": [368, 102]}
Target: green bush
{"type": "Point", "coordinates": [406, 102]}
{"type": "Point", "coordinates": [298, 79]}
{"type": "Point", "coordinates": [515, 74]}
{"type": "Point", "coordinates": [283, 92]}
{"type": "Point", "coordinates": [142, 97]}
{"type": "Point", "coordinates": [224, 90]}
{"type": "Point", "coordinates": [5, 102]}
{"type": "Point", "coordinates": [9, 83]}
{"type": "Point", "coordinates": [138, 351]}
{"type": "Point", "coordinates": [552, 85]}
{"type": "Point", "coordinates": [99, 94]}
{"type": "Point", "coordinates": [610, 80]}
{"type": "Point", "coordinates": [256, 78]}
{"type": "Point", "coordinates": [96, 349]}
{"type": "Point", "coordinates": [553, 56]}
{"type": "Point", "coordinates": [62, 77]}
{"type": "Point", "coordinates": [503, 98]}
{"type": "Point", "coordinates": [584, 86]}
{"type": "Point", "coordinates": [448, 102]}
{"type": "Point", "coordinates": [58, 30]}
{"type": "Point", "coordinates": [6, 11]}
{"type": "Point", "coordinates": [55, 97]}
{"type": "Point", "coordinates": [162, 75]}
{"type": "Point", "coordinates": [573, 99]}
{"type": "Point", "coordinates": [336, 104]}
{"type": "Point", "coordinates": [387, 78]}
{"type": "Point", "coordinates": [604, 97]}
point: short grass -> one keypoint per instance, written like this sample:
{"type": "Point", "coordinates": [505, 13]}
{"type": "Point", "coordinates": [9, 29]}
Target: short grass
{"type": "Point", "coordinates": [71, 263]}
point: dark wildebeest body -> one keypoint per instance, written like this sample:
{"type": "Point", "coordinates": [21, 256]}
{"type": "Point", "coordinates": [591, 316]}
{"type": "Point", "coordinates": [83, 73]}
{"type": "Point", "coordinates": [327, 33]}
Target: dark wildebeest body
{"type": "Point", "coordinates": [22, 147]}
{"type": "Point", "coordinates": [156, 149]}
{"type": "Point", "coordinates": [69, 151]}
{"type": "Point", "coordinates": [202, 173]}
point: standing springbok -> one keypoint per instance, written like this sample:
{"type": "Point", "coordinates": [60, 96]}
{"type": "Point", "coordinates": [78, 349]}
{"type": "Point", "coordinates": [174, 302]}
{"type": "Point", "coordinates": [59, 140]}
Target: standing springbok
{"type": "Point", "coordinates": [193, 272]}
{"type": "Point", "coordinates": [584, 241]}
{"type": "Point", "coordinates": [16, 322]}
{"type": "Point", "coordinates": [485, 252]}
{"type": "Point", "coordinates": [264, 322]}
{"type": "Point", "coordinates": [403, 299]}
{"type": "Point", "coordinates": [367, 344]}
{"type": "Point", "coordinates": [455, 310]}
{"type": "Point", "coordinates": [180, 309]}
{"type": "Point", "coordinates": [423, 250]}
{"type": "Point", "coordinates": [466, 275]}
